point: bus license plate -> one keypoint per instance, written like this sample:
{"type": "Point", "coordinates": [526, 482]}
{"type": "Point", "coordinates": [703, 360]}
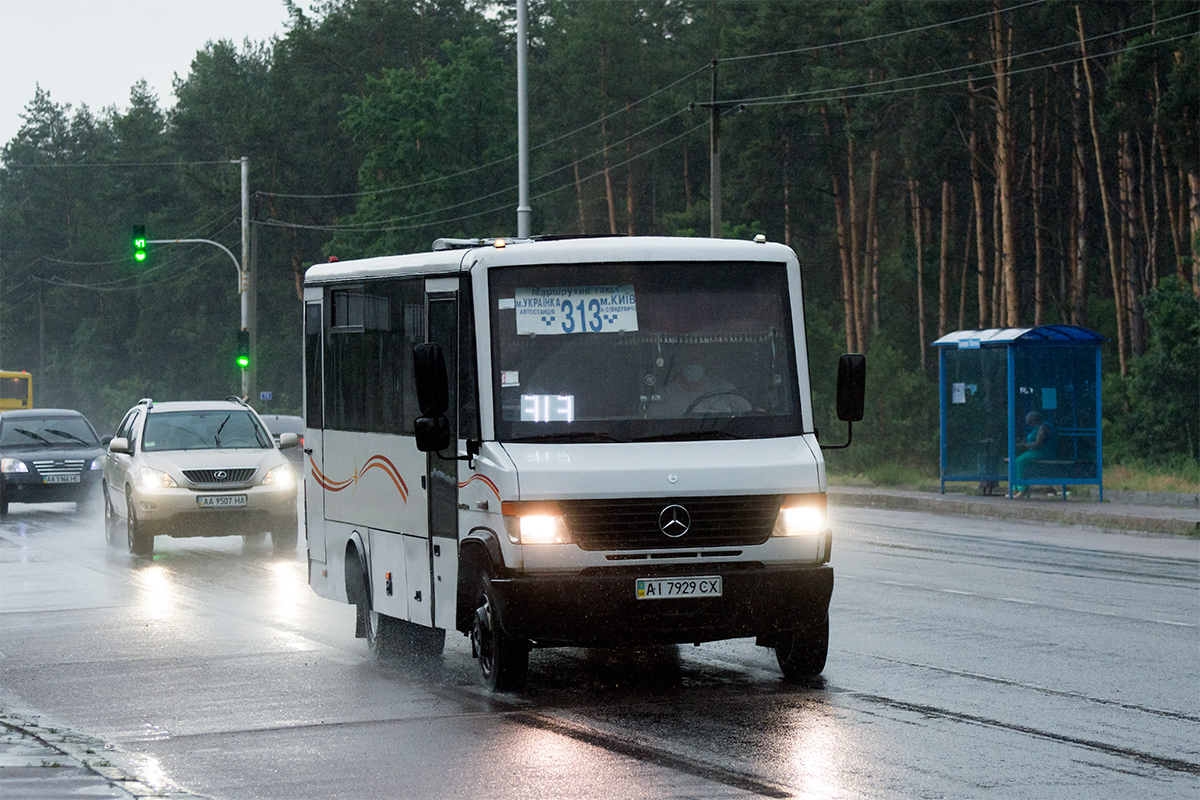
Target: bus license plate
{"type": "Point", "coordinates": [670, 588]}
{"type": "Point", "coordinates": [60, 479]}
{"type": "Point", "coordinates": [222, 501]}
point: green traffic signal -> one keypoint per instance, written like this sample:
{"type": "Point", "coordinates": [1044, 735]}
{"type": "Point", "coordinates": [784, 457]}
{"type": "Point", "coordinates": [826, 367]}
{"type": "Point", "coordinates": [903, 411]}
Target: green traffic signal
{"type": "Point", "coordinates": [139, 243]}
{"type": "Point", "coordinates": [243, 349]}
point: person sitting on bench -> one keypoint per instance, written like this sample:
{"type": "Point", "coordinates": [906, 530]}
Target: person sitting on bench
{"type": "Point", "coordinates": [1038, 445]}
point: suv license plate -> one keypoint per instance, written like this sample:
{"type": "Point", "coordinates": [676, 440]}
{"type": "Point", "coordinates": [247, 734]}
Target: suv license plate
{"type": "Point", "coordinates": [60, 479]}
{"type": "Point", "coordinates": [670, 588]}
{"type": "Point", "coordinates": [221, 501]}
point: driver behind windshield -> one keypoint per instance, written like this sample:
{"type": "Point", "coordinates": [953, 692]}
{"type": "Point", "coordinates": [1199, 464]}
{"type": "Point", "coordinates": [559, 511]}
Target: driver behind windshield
{"type": "Point", "coordinates": [696, 389]}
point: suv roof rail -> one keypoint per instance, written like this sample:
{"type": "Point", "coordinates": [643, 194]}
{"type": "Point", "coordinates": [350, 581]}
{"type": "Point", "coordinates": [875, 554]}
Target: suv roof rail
{"type": "Point", "coordinates": [147, 402]}
{"type": "Point", "coordinates": [233, 398]}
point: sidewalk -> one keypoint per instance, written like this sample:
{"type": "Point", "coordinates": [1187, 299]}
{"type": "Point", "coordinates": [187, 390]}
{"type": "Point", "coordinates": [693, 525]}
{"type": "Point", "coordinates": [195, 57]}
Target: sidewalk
{"type": "Point", "coordinates": [46, 763]}
{"type": "Point", "coordinates": [1121, 511]}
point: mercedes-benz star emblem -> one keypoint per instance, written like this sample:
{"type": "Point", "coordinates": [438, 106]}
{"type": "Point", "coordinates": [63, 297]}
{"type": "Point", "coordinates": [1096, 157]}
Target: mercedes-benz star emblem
{"type": "Point", "coordinates": [220, 474]}
{"type": "Point", "coordinates": [674, 521]}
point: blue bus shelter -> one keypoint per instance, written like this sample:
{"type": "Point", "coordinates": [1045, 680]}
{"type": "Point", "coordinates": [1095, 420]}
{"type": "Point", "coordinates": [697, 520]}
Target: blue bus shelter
{"type": "Point", "coordinates": [1003, 387]}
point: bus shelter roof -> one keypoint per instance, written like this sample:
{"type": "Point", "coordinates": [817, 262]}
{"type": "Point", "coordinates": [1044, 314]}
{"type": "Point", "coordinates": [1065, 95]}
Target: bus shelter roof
{"type": "Point", "coordinates": [1021, 337]}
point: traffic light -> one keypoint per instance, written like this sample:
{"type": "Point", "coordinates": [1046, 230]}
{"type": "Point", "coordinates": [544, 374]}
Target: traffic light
{"type": "Point", "coordinates": [243, 351]}
{"type": "Point", "coordinates": [139, 243]}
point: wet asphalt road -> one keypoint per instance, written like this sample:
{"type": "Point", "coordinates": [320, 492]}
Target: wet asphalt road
{"type": "Point", "coordinates": [968, 658]}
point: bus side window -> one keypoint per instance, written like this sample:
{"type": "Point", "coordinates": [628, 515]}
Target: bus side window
{"type": "Point", "coordinates": [313, 407]}
{"type": "Point", "coordinates": [468, 389]}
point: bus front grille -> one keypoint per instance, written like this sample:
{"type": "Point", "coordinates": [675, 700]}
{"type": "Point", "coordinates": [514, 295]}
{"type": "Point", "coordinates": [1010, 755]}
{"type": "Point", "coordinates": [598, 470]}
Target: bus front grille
{"type": "Point", "coordinates": [671, 522]}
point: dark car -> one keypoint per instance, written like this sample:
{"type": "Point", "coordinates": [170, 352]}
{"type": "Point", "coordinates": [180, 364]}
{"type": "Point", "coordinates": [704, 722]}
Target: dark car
{"type": "Point", "coordinates": [283, 423]}
{"type": "Point", "coordinates": [48, 455]}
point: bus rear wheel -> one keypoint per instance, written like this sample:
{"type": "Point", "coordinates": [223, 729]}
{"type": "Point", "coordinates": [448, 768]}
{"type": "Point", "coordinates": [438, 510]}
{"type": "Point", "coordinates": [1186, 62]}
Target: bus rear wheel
{"type": "Point", "coordinates": [503, 659]}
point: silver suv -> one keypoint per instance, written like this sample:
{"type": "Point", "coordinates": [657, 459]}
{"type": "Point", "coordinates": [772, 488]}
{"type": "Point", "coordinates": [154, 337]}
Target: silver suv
{"type": "Point", "coordinates": [204, 468]}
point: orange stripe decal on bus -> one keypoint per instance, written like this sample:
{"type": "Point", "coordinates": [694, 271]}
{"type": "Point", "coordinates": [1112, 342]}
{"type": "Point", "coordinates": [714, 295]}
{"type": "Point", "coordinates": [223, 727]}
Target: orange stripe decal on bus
{"type": "Point", "coordinates": [484, 479]}
{"type": "Point", "coordinates": [374, 462]}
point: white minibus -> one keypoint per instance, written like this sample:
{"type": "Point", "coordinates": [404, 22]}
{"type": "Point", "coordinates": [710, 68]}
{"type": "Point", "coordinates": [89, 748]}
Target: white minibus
{"type": "Point", "coordinates": [585, 442]}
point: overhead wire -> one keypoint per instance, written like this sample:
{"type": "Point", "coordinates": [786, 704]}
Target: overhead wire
{"type": "Point", "coordinates": [821, 95]}
{"type": "Point", "coordinates": [877, 37]}
{"type": "Point", "coordinates": [979, 65]}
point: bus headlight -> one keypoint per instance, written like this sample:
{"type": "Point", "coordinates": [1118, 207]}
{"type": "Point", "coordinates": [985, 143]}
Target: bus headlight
{"type": "Point", "coordinates": [801, 515]}
{"type": "Point", "coordinates": [534, 523]}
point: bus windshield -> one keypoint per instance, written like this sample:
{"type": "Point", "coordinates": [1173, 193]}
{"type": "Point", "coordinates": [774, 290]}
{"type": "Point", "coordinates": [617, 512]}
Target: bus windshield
{"type": "Point", "coordinates": [16, 390]}
{"type": "Point", "coordinates": [643, 352]}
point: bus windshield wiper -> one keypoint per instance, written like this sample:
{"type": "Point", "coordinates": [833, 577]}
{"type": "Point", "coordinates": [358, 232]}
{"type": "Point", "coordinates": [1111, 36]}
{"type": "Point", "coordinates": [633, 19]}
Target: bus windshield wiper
{"type": "Point", "coordinates": [567, 438]}
{"type": "Point", "coordinates": [685, 436]}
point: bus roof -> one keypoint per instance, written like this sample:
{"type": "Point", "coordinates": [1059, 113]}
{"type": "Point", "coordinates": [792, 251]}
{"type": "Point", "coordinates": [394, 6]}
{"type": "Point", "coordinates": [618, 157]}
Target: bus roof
{"type": "Point", "coordinates": [460, 255]}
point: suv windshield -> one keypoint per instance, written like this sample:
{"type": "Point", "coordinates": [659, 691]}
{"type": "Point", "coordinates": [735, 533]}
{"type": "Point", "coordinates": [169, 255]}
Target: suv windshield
{"type": "Point", "coordinates": [643, 352]}
{"type": "Point", "coordinates": [203, 430]}
{"type": "Point", "coordinates": [47, 432]}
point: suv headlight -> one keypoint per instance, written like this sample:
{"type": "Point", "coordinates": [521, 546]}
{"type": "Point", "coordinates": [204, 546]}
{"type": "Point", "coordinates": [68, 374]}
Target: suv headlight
{"type": "Point", "coordinates": [13, 465]}
{"type": "Point", "coordinates": [155, 479]}
{"type": "Point", "coordinates": [801, 515]}
{"type": "Point", "coordinates": [282, 476]}
{"type": "Point", "coordinates": [534, 523]}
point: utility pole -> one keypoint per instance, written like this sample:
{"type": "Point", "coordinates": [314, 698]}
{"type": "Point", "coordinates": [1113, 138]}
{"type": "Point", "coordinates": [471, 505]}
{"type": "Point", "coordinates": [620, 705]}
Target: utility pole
{"type": "Point", "coordinates": [523, 209]}
{"type": "Point", "coordinates": [714, 154]}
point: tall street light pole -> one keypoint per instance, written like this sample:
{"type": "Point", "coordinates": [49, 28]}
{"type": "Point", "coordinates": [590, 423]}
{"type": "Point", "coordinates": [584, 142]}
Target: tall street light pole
{"type": "Point", "coordinates": [523, 209]}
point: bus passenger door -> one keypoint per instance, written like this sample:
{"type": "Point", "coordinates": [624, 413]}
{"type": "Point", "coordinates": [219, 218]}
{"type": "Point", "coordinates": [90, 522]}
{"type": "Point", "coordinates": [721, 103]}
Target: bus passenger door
{"type": "Point", "coordinates": [441, 474]}
{"type": "Point", "coordinates": [314, 423]}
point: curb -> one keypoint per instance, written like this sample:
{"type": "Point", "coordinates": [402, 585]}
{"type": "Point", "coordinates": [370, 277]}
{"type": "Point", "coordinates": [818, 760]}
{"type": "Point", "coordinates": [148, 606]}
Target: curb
{"type": "Point", "coordinates": [1177, 521]}
{"type": "Point", "coordinates": [87, 763]}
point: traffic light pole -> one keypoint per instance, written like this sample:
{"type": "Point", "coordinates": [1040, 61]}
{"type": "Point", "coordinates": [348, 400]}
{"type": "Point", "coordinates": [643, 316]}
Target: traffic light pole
{"type": "Point", "coordinates": [243, 271]}
{"type": "Point", "coordinates": [243, 283]}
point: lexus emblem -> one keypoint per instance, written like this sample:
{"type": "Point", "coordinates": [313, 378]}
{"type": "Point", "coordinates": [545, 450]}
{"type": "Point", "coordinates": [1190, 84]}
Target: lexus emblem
{"type": "Point", "coordinates": [674, 521]}
{"type": "Point", "coordinates": [220, 474]}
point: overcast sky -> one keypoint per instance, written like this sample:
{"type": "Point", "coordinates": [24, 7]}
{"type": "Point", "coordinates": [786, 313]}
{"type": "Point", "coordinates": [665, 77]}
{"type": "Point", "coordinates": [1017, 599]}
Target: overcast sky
{"type": "Point", "coordinates": [93, 51]}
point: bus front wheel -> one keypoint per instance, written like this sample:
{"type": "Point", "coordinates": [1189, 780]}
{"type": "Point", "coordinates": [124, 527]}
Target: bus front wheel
{"type": "Point", "coordinates": [801, 653]}
{"type": "Point", "coordinates": [503, 659]}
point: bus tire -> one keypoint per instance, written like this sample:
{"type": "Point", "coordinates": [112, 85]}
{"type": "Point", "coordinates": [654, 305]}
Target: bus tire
{"type": "Point", "coordinates": [503, 659]}
{"type": "Point", "coordinates": [141, 541]}
{"type": "Point", "coordinates": [389, 637]}
{"type": "Point", "coordinates": [801, 653]}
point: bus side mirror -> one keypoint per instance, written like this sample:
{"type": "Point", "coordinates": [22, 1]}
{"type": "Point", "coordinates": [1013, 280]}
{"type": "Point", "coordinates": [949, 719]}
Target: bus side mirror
{"type": "Point", "coordinates": [433, 388]}
{"type": "Point", "coordinates": [851, 386]}
{"type": "Point", "coordinates": [433, 433]}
